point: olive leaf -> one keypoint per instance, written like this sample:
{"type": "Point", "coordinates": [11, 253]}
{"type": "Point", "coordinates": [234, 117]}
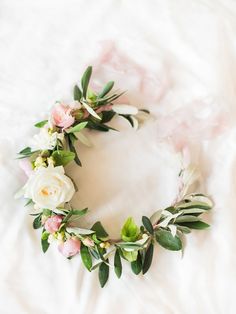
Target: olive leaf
{"type": "Point", "coordinates": [63, 157]}
{"type": "Point", "coordinates": [166, 239]}
{"type": "Point", "coordinates": [77, 128]}
{"type": "Point", "coordinates": [136, 266]}
{"type": "Point", "coordinates": [86, 257]}
{"type": "Point", "coordinates": [108, 87]}
{"type": "Point", "coordinates": [195, 225]}
{"type": "Point", "coordinates": [100, 231]}
{"type": "Point", "coordinates": [85, 80]}
{"type": "Point", "coordinates": [131, 246]}
{"type": "Point", "coordinates": [91, 111]}
{"type": "Point", "coordinates": [148, 258]}
{"type": "Point", "coordinates": [44, 241]}
{"type": "Point", "coordinates": [79, 231]}
{"type": "Point", "coordinates": [37, 222]}
{"type": "Point", "coordinates": [117, 264]}
{"type": "Point", "coordinates": [41, 124]}
{"type": "Point", "coordinates": [147, 224]}
{"type": "Point", "coordinates": [71, 139]}
{"type": "Point", "coordinates": [156, 216]}
{"type": "Point", "coordinates": [103, 274]}
{"type": "Point", "coordinates": [77, 93]}
{"type": "Point", "coordinates": [186, 218]}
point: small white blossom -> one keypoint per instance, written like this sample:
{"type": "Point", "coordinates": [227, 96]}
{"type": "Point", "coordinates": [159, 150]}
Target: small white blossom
{"type": "Point", "coordinates": [46, 140]}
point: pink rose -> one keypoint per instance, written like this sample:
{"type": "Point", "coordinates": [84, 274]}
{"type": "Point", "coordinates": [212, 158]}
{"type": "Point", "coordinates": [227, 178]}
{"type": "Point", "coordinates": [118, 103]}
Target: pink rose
{"type": "Point", "coordinates": [53, 223]}
{"type": "Point", "coordinates": [61, 116]}
{"type": "Point", "coordinates": [26, 166]}
{"type": "Point", "coordinates": [70, 247]}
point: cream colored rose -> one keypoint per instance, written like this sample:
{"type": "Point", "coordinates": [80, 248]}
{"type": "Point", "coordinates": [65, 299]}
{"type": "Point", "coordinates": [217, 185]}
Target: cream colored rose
{"type": "Point", "coordinates": [49, 187]}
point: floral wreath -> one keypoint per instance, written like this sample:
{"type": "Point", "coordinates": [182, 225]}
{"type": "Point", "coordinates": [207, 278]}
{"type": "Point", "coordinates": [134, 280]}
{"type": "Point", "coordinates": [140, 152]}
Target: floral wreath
{"type": "Point", "coordinates": [50, 190]}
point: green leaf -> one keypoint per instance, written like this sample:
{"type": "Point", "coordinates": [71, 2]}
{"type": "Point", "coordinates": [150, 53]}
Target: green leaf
{"type": "Point", "coordinates": [136, 266]}
{"type": "Point", "coordinates": [44, 241]}
{"type": "Point", "coordinates": [109, 99]}
{"type": "Point", "coordinates": [188, 205]}
{"type": "Point", "coordinates": [45, 245]}
{"type": "Point", "coordinates": [75, 216]}
{"type": "Point", "coordinates": [148, 258]}
{"type": "Point", "coordinates": [72, 137]}
{"type": "Point", "coordinates": [91, 111]}
{"type": "Point", "coordinates": [29, 202]}
{"type": "Point", "coordinates": [128, 118]}
{"type": "Point", "coordinates": [108, 87]}
{"type": "Point", "coordinates": [184, 229]}
{"type": "Point", "coordinates": [47, 212]}
{"type": "Point", "coordinates": [186, 218]}
{"type": "Point", "coordinates": [103, 274]}
{"type": "Point", "coordinates": [130, 231]}
{"type": "Point", "coordinates": [41, 124]}
{"type": "Point", "coordinates": [96, 266]}
{"type": "Point", "coordinates": [192, 211]}
{"type": "Point", "coordinates": [130, 256]}
{"type": "Point", "coordinates": [147, 224]}
{"type": "Point", "coordinates": [85, 80]}
{"type": "Point", "coordinates": [94, 253]}
{"type": "Point", "coordinates": [107, 116]}
{"type": "Point", "coordinates": [26, 152]}
{"type": "Point", "coordinates": [91, 95]}
{"type": "Point", "coordinates": [45, 235]}
{"type": "Point", "coordinates": [117, 264]}
{"type": "Point", "coordinates": [77, 128]}
{"type": "Point", "coordinates": [145, 110]}
{"type": "Point", "coordinates": [196, 225]}
{"type": "Point", "coordinates": [84, 140]}
{"type": "Point", "coordinates": [99, 126]}
{"type": "Point", "coordinates": [80, 212]}
{"type": "Point", "coordinates": [63, 157]}
{"type": "Point", "coordinates": [171, 209]}
{"type": "Point", "coordinates": [156, 216]}
{"type": "Point", "coordinates": [86, 257]}
{"type": "Point", "coordinates": [166, 239]}
{"type": "Point", "coordinates": [71, 140]}
{"type": "Point", "coordinates": [130, 245]}
{"type": "Point", "coordinates": [77, 93]}
{"type": "Point", "coordinates": [37, 222]}
{"type": "Point", "coordinates": [100, 231]}
{"type": "Point", "coordinates": [79, 231]}
{"type": "Point", "coordinates": [75, 212]}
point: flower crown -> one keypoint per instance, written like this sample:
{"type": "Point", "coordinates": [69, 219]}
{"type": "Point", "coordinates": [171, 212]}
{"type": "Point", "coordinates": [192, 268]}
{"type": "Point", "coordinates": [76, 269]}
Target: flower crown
{"type": "Point", "coordinates": [50, 190]}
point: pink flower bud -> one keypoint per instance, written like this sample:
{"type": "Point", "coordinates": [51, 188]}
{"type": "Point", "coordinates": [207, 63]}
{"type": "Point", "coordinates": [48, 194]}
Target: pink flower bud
{"type": "Point", "coordinates": [70, 247]}
{"type": "Point", "coordinates": [88, 242]}
{"type": "Point", "coordinates": [53, 223]}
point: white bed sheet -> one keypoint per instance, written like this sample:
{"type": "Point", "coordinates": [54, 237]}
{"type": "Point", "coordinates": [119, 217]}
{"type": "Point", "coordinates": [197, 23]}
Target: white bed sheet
{"type": "Point", "coordinates": [180, 59]}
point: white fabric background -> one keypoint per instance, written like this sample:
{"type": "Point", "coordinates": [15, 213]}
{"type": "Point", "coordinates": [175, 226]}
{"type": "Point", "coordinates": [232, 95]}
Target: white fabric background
{"type": "Point", "coordinates": [189, 48]}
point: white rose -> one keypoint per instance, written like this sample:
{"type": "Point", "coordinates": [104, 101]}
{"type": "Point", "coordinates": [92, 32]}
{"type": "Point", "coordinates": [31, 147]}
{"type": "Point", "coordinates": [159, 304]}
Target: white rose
{"type": "Point", "coordinates": [45, 140]}
{"type": "Point", "coordinates": [49, 187]}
